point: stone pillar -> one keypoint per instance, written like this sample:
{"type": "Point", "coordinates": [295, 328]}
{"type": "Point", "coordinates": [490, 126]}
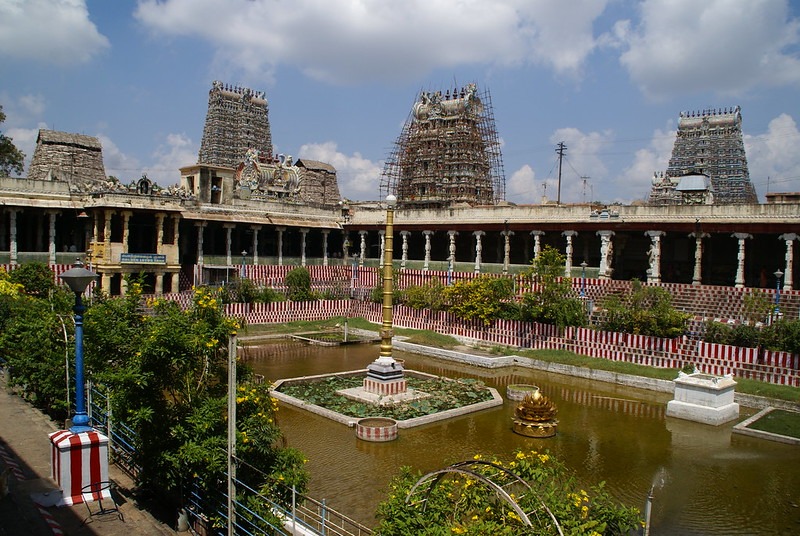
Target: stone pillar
{"type": "Point", "coordinates": [452, 258]}
{"type": "Point", "coordinates": [478, 250]}
{"type": "Point", "coordinates": [382, 238]}
{"type": "Point", "coordinates": [280, 244]}
{"type": "Point", "coordinates": [568, 261]}
{"type": "Point", "coordinates": [789, 238]}
{"type": "Point", "coordinates": [345, 248]}
{"type": "Point", "coordinates": [107, 235]}
{"type": "Point", "coordinates": [228, 232]}
{"type": "Point", "coordinates": [303, 234]}
{"type": "Point", "coordinates": [506, 249]}
{"type": "Point", "coordinates": [654, 272]}
{"type": "Point", "coordinates": [325, 233]}
{"type": "Point", "coordinates": [697, 276]}
{"type": "Point", "coordinates": [176, 234]}
{"type": "Point", "coordinates": [363, 252]}
{"type": "Point", "coordinates": [12, 236]}
{"type": "Point", "coordinates": [427, 263]}
{"type": "Point", "coordinates": [606, 253]}
{"type": "Point", "coordinates": [404, 257]}
{"type": "Point", "coordinates": [201, 225]}
{"type": "Point", "coordinates": [126, 230]}
{"type": "Point", "coordinates": [173, 285]}
{"type": "Point", "coordinates": [159, 283]}
{"type": "Point", "coordinates": [537, 243]}
{"type": "Point", "coordinates": [741, 237]}
{"type": "Point", "coordinates": [51, 239]}
{"type": "Point", "coordinates": [256, 229]}
{"type": "Point", "coordinates": [159, 231]}
{"type": "Point", "coordinates": [105, 282]}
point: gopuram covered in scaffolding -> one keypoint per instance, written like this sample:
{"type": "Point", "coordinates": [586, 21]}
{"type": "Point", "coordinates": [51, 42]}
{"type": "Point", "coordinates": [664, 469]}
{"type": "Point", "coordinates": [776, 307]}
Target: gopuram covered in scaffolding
{"type": "Point", "coordinates": [447, 153]}
{"type": "Point", "coordinates": [708, 163]}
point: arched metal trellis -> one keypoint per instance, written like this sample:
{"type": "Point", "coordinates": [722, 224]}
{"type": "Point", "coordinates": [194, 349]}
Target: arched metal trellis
{"type": "Point", "coordinates": [510, 492]}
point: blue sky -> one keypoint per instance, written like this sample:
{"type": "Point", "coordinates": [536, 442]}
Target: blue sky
{"type": "Point", "coordinates": [607, 77]}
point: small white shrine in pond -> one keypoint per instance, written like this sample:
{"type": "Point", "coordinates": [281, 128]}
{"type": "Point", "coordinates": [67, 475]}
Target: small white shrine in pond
{"type": "Point", "coordinates": [704, 398]}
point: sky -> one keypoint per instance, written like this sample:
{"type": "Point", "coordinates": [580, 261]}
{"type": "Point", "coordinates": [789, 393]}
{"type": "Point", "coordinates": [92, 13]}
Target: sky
{"type": "Point", "coordinates": [608, 78]}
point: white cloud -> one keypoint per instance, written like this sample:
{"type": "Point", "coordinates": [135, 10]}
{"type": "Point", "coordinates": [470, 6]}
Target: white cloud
{"type": "Point", "coordinates": [636, 179]}
{"type": "Point", "coordinates": [120, 165]}
{"type": "Point", "coordinates": [177, 151]}
{"type": "Point", "coordinates": [775, 154]}
{"type": "Point", "coordinates": [50, 31]}
{"type": "Point", "coordinates": [358, 177]}
{"type": "Point", "coordinates": [727, 46]}
{"type": "Point", "coordinates": [522, 188]}
{"type": "Point", "coordinates": [354, 41]}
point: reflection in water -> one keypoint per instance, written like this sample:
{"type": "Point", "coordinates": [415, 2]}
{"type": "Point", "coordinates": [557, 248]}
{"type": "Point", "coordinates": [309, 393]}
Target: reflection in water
{"type": "Point", "coordinates": [706, 480]}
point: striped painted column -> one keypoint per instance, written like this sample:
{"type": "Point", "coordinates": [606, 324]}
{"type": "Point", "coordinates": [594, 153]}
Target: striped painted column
{"type": "Point", "coordinates": [76, 461]}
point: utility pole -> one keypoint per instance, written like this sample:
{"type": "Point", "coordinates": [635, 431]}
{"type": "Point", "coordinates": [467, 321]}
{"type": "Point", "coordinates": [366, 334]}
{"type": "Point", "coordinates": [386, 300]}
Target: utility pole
{"type": "Point", "coordinates": [560, 150]}
{"type": "Point", "coordinates": [585, 180]}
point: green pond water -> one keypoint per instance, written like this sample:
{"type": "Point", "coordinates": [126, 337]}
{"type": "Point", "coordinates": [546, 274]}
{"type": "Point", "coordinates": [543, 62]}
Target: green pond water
{"type": "Point", "coordinates": [706, 480]}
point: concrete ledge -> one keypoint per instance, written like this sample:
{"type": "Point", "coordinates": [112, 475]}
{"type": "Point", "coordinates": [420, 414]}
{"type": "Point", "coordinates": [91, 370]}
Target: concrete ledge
{"type": "Point", "coordinates": [742, 428]}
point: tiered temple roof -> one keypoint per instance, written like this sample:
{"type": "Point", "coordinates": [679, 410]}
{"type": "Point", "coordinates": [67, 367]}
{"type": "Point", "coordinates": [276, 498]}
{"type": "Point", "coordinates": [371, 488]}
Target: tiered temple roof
{"type": "Point", "coordinates": [447, 152]}
{"type": "Point", "coordinates": [708, 142]}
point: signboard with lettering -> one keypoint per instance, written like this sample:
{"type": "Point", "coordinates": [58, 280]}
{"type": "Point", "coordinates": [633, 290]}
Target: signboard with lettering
{"type": "Point", "coordinates": [142, 258]}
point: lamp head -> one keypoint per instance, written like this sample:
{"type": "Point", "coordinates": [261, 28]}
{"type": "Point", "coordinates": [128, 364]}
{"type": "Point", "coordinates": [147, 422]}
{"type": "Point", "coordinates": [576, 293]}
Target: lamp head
{"type": "Point", "coordinates": [778, 274]}
{"type": "Point", "coordinates": [78, 277]}
{"type": "Point", "coordinates": [584, 265]}
{"type": "Point", "coordinates": [391, 200]}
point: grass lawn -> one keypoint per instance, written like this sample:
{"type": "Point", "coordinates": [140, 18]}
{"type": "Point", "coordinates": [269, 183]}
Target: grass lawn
{"type": "Point", "coordinates": [431, 338]}
{"type": "Point", "coordinates": [779, 421]}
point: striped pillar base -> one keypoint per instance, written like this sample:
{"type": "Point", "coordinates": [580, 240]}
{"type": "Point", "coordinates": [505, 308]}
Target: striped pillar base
{"type": "Point", "coordinates": [76, 461]}
{"type": "Point", "coordinates": [385, 388]}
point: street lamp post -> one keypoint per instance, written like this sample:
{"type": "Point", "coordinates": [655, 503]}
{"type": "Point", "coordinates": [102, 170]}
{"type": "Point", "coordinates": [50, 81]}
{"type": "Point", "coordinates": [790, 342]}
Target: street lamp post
{"type": "Point", "coordinates": [78, 279]}
{"type": "Point", "coordinates": [244, 258]}
{"type": "Point", "coordinates": [583, 279]}
{"type": "Point", "coordinates": [778, 275]}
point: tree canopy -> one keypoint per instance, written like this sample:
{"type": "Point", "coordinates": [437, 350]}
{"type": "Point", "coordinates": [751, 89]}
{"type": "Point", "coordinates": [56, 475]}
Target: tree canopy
{"type": "Point", "coordinates": [11, 159]}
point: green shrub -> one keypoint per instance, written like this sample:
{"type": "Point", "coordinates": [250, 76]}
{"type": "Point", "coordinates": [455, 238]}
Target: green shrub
{"type": "Point", "coordinates": [298, 282]}
{"type": "Point", "coordinates": [36, 277]}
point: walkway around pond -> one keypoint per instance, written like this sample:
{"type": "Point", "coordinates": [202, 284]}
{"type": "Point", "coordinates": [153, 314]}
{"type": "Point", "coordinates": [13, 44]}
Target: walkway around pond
{"type": "Point", "coordinates": [25, 452]}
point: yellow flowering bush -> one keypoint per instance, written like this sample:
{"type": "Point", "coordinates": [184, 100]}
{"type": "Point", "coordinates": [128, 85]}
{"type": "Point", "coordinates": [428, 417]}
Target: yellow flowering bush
{"type": "Point", "coordinates": [460, 504]}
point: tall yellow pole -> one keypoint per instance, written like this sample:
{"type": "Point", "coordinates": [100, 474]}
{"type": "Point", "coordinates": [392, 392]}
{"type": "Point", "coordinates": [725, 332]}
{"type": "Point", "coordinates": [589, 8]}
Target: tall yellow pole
{"type": "Point", "coordinates": [386, 328]}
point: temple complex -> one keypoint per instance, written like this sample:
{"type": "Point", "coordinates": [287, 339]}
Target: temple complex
{"type": "Point", "coordinates": [243, 210]}
{"type": "Point", "coordinates": [708, 163]}
{"type": "Point", "coordinates": [447, 152]}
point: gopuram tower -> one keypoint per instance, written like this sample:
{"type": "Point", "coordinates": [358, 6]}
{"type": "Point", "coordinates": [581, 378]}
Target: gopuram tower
{"type": "Point", "coordinates": [708, 155]}
{"type": "Point", "coordinates": [447, 152]}
{"type": "Point", "coordinates": [237, 120]}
